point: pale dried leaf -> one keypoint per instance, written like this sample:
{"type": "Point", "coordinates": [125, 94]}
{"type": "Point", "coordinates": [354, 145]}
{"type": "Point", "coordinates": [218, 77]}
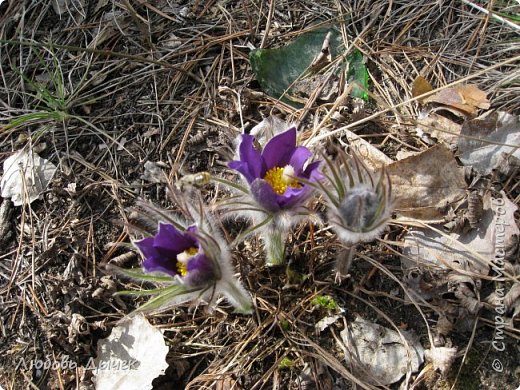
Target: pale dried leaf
{"type": "Point", "coordinates": [466, 98]}
{"type": "Point", "coordinates": [268, 128]}
{"type": "Point", "coordinates": [509, 300]}
{"type": "Point", "coordinates": [227, 383]}
{"type": "Point", "coordinates": [135, 342]}
{"type": "Point", "coordinates": [60, 6]}
{"type": "Point", "coordinates": [513, 296]}
{"type": "Point", "coordinates": [373, 157]}
{"type": "Point", "coordinates": [26, 175]}
{"type": "Point", "coordinates": [438, 127]}
{"type": "Point", "coordinates": [325, 322]}
{"type": "Point", "coordinates": [153, 173]}
{"type": "Point", "coordinates": [471, 251]}
{"type": "Point", "coordinates": [427, 184]}
{"type": "Point", "coordinates": [473, 96]}
{"type": "Point", "coordinates": [378, 354]}
{"type": "Point", "coordinates": [402, 154]}
{"type": "Point", "coordinates": [497, 146]}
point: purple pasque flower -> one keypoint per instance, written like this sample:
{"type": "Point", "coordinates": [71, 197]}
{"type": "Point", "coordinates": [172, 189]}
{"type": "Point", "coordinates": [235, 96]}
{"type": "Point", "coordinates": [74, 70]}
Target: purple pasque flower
{"type": "Point", "coordinates": [177, 253]}
{"type": "Point", "coordinates": [273, 173]}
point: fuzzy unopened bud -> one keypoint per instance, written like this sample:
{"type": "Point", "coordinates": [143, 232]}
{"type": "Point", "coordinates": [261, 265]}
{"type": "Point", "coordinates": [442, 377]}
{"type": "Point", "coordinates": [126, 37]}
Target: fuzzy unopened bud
{"type": "Point", "coordinates": [359, 201]}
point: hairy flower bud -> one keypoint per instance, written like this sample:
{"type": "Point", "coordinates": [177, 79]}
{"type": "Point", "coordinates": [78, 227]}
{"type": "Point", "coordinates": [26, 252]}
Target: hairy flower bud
{"type": "Point", "coordinates": [359, 202]}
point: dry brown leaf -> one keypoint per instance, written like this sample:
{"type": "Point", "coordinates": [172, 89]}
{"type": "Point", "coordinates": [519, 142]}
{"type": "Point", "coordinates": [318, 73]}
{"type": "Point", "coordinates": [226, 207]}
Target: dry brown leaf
{"type": "Point", "coordinates": [491, 143]}
{"type": "Point", "coordinates": [447, 96]}
{"type": "Point", "coordinates": [473, 96]}
{"type": "Point", "coordinates": [420, 85]}
{"type": "Point", "coordinates": [380, 355]}
{"type": "Point", "coordinates": [466, 98]}
{"type": "Point", "coordinates": [427, 184]}
{"type": "Point", "coordinates": [439, 127]}
{"type": "Point", "coordinates": [469, 251]}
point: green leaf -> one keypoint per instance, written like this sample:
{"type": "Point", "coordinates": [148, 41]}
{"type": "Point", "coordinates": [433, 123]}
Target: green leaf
{"type": "Point", "coordinates": [139, 274]}
{"type": "Point", "coordinates": [358, 74]}
{"type": "Point", "coordinates": [138, 293]}
{"type": "Point", "coordinates": [170, 295]}
{"type": "Point", "coordinates": [276, 69]}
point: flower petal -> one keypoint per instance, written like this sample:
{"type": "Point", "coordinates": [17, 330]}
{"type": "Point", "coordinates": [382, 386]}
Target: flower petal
{"type": "Point", "coordinates": [250, 164]}
{"type": "Point", "coordinates": [294, 196]}
{"type": "Point", "coordinates": [170, 239]}
{"type": "Point", "coordinates": [156, 259]}
{"type": "Point", "coordinates": [200, 271]}
{"type": "Point", "coordinates": [264, 195]}
{"type": "Point", "coordinates": [243, 168]}
{"type": "Point", "coordinates": [146, 247]}
{"type": "Point", "coordinates": [279, 150]}
{"type": "Point", "coordinates": [160, 264]}
{"type": "Point", "coordinates": [300, 156]}
{"type": "Point", "coordinates": [311, 171]}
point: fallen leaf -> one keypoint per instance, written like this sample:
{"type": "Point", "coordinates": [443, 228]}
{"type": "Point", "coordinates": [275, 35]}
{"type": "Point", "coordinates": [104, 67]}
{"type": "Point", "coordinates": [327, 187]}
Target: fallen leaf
{"type": "Point", "coordinates": [59, 6]}
{"type": "Point", "coordinates": [266, 129]}
{"type": "Point", "coordinates": [378, 354]}
{"type": "Point", "coordinates": [227, 383]}
{"type": "Point", "coordinates": [427, 184]}
{"type": "Point", "coordinates": [131, 357]}
{"type": "Point", "coordinates": [471, 251]}
{"type": "Point", "coordinates": [373, 157]}
{"type": "Point", "coordinates": [277, 69]}
{"type": "Point", "coordinates": [466, 98]}
{"type": "Point", "coordinates": [26, 175]}
{"type": "Point", "coordinates": [154, 173]}
{"type": "Point", "coordinates": [438, 127]}
{"type": "Point", "coordinates": [447, 96]}
{"type": "Point", "coordinates": [491, 143]}
{"type": "Point", "coordinates": [420, 86]}
{"type": "Point", "coordinates": [473, 96]}
{"type": "Point", "coordinates": [327, 321]}
{"type": "Point", "coordinates": [402, 154]}
{"type": "Point", "coordinates": [286, 72]}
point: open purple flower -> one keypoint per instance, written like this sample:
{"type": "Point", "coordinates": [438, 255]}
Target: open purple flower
{"type": "Point", "coordinates": [177, 254]}
{"type": "Point", "coordinates": [273, 174]}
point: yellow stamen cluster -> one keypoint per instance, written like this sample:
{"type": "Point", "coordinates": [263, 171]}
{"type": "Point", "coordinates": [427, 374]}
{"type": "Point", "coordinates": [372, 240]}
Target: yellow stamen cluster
{"type": "Point", "coordinates": [182, 268]}
{"type": "Point", "coordinates": [182, 260]}
{"type": "Point", "coordinates": [279, 180]}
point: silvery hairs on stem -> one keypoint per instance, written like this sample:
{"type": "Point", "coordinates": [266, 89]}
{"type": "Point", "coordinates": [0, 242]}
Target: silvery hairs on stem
{"type": "Point", "coordinates": [185, 255]}
{"type": "Point", "coordinates": [359, 202]}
